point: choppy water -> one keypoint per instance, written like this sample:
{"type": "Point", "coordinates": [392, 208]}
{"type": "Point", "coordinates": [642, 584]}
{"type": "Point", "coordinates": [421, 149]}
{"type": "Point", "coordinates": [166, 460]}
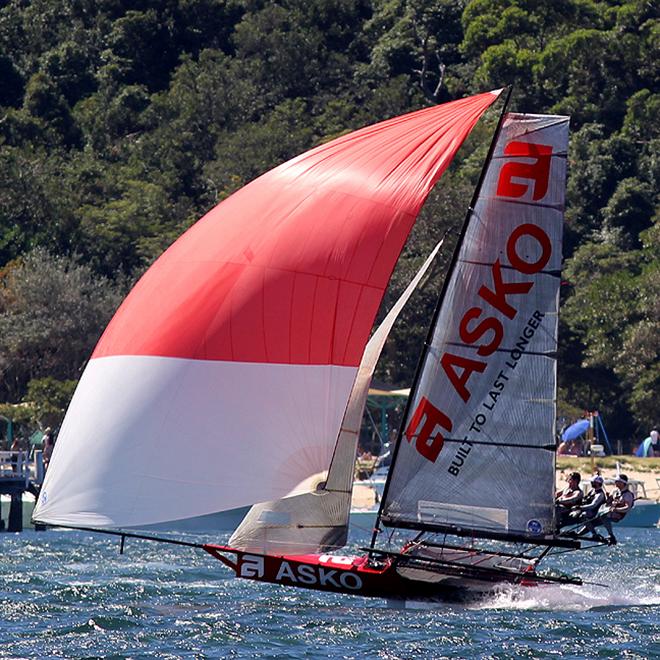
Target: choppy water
{"type": "Point", "coordinates": [72, 595]}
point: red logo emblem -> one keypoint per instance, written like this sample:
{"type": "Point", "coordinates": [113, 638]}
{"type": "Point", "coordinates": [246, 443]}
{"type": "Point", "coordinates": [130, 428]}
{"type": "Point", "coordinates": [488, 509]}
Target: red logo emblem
{"type": "Point", "coordinates": [535, 174]}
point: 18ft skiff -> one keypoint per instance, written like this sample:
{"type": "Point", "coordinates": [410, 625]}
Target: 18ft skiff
{"type": "Point", "coordinates": [237, 370]}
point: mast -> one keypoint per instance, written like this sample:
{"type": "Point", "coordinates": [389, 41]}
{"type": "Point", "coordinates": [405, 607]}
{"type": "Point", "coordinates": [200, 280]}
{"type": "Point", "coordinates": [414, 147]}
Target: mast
{"type": "Point", "coordinates": [436, 312]}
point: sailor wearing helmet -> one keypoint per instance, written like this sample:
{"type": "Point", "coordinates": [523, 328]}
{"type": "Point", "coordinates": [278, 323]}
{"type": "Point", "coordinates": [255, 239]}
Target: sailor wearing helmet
{"type": "Point", "coordinates": [566, 500]}
{"type": "Point", "coordinates": [595, 497]}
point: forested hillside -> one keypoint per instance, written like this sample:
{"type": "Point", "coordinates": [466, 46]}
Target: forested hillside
{"type": "Point", "coordinates": [121, 123]}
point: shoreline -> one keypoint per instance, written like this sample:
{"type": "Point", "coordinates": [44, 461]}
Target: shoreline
{"type": "Point", "coordinates": [646, 470]}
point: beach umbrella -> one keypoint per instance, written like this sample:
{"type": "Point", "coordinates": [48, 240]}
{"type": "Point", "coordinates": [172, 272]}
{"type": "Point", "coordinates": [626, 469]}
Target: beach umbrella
{"type": "Point", "coordinates": [575, 430]}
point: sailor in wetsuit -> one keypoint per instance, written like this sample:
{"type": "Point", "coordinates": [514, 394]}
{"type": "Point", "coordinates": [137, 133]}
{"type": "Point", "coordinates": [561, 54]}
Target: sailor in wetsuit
{"type": "Point", "coordinates": [568, 498]}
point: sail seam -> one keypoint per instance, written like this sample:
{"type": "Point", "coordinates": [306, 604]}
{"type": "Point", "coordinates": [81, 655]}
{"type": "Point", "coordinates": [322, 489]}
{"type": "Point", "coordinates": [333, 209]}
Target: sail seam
{"type": "Point", "coordinates": [550, 354]}
{"type": "Point", "coordinates": [390, 521]}
{"type": "Point", "coordinates": [558, 154]}
{"type": "Point", "coordinates": [509, 200]}
{"type": "Point", "coordinates": [560, 119]}
{"type": "Point", "coordinates": [553, 272]}
{"type": "Point", "coordinates": [547, 447]}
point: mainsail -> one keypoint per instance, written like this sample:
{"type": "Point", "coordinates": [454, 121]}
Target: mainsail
{"type": "Point", "coordinates": [477, 452]}
{"type": "Point", "coordinates": [224, 376]}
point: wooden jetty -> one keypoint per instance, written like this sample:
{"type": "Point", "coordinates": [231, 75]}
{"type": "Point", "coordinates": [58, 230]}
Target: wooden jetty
{"type": "Point", "coordinates": [18, 475]}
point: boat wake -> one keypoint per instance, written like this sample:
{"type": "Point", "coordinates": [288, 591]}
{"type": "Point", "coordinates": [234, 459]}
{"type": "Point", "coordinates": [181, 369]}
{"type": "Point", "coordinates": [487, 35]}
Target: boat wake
{"type": "Point", "coordinates": [616, 594]}
{"type": "Point", "coordinates": [571, 598]}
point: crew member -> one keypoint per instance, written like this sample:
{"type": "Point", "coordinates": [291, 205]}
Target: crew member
{"type": "Point", "coordinates": [568, 498]}
{"type": "Point", "coordinates": [588, 510]}
{"type": "Point", "coordinates": [619, 503]}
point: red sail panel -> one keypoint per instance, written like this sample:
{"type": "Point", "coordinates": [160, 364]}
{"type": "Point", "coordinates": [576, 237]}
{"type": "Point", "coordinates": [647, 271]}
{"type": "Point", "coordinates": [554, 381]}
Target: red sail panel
{"type": "Point", "coordinates": [291, 269]}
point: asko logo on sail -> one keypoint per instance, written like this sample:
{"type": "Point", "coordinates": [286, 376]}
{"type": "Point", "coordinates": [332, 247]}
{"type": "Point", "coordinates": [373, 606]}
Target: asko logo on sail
{"type": "Point", "coordinates": [427, 422]}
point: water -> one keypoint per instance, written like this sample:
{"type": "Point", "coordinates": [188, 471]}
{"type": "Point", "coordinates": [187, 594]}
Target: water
{"type": "Point", "coordinates": [70, 594]}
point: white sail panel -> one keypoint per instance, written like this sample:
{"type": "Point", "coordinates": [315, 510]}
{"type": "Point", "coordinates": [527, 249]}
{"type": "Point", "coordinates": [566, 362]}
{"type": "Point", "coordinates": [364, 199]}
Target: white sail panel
{"type": "Point", "coordinates": [132, 468]}
{"type": "Point", "coordinates": [478, 445]}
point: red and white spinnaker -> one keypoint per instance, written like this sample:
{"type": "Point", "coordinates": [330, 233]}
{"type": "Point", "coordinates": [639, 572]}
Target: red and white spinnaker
{"type": "Point", "coordinates": [223, 378]}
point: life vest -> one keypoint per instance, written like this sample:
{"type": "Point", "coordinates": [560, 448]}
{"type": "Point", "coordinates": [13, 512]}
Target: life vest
{"type": "Point", "coordinates": [616, 515]}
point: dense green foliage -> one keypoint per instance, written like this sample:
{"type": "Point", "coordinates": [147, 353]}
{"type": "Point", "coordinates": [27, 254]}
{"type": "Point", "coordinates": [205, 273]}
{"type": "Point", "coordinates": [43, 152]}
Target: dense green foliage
{"type": "Point", "coordinates": [121, 123]}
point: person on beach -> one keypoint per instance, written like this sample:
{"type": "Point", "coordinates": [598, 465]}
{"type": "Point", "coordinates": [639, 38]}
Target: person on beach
{"type": "Point", "coordinates": [48, 443]}
{"type": "Point", "coordinates": [655, 444]}
{"type": "Point", "coordinates": [649, 447]}
{"type": "Point", "coordinates": [568, 498]}
{"type": "Point", "coordinates": [15, 449]}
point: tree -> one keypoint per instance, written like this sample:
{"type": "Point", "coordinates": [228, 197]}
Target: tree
{"type": "Point", "coordinates": [245, 153]}
{"type": "Point", "coordinates": [43, 100]}
{"type": "Point", "coordinates": [141, 49]}
{"type": "Point", "coordinates": [509, 38]}
{"type": "Point", "coordinates": [638, 362]}
{"type": "Point", "coordinates": [615, 311]}
{"type": "Point", "coordinates": [128, 231]}
{"type": "Point", "coordinates": [36, 201]}
{"type": "Point", "coordinates": [418, 39]}
{"type": "Point", "coordinates": [52, 312]}
{"type": "Point", "coordinates": [11, 90]}
{"type": "Point", "coordinates": [570, 82]}
{"type": "Point", "coordinates": [596, 164]}
{"type": "Point", "coordinates": [48, 399]}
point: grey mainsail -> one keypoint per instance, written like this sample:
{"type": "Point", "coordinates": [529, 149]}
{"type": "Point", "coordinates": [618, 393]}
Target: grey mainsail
{"type": "Point", "coordinates": [477, 447]}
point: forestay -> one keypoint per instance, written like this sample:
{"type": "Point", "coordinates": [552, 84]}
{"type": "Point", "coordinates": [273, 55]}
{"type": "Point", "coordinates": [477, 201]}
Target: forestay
{"type": "Point", "coordinates": [477, 451]}
{"type": "Point", "coordinates": [223, 378]}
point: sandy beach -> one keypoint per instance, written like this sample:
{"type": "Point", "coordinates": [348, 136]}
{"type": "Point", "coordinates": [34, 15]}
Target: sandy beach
{"type": "Point", "coordinates": [646, 470]}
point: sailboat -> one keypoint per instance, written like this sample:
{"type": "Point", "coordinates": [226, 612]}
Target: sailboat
{"type": "Point", "coordinates": [237, 369]}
